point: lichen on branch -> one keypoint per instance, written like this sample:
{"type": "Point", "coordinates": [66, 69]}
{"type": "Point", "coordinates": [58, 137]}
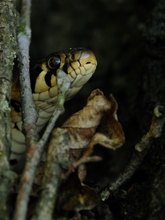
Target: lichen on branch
{"type": "Point", "coordinates": [7, 55]}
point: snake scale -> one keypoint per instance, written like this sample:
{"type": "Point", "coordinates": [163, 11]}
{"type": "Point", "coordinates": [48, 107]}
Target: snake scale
{"type": "Point", "coordinates": [78, 63]}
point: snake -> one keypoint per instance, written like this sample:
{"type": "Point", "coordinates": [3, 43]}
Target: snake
{"type": "Point", "coordinates": [78, 64]}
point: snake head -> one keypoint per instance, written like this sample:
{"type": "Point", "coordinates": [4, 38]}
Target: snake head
{"type": "Point", "coordinates": [78, 63]}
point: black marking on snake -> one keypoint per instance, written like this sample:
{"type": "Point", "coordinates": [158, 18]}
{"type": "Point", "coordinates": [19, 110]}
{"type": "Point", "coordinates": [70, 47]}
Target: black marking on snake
{"type": "Point", "coordinates": [34, 74]}
{"type": "Point", "coordinates": [48, 77]}
{"type": "Point", "coordinates": [65, 68]}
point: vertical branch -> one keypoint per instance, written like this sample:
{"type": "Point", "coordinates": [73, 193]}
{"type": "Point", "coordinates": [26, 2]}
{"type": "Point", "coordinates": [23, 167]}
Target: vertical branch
{"type": "Point", "coordinates": [28, 108]}
{"type": "Point", "coordinates": [7, 55]}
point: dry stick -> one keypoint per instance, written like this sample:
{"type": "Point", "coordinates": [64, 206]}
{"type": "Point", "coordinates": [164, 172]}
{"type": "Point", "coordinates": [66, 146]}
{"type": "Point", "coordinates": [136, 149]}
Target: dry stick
{"type": "Point", "coordinates": [126, 175]}
{"type": "Point", "coordinates": [7, 55]}
{"type": "Point", "coordinates": [141, 148]}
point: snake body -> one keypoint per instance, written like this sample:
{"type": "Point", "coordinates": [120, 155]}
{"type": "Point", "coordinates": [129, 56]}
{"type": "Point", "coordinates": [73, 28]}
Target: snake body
{"type": "Point", "coordinates": [78, 63]}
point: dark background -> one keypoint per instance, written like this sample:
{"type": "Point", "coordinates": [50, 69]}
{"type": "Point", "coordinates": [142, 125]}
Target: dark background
{"type": "Point", "coordinates": [128, 38]}
{"type": "Point", "coordinates": [113, 29]}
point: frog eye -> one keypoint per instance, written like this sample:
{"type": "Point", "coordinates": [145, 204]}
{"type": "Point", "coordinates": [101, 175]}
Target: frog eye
{"type": "Point", "coordinates": [53, 62]}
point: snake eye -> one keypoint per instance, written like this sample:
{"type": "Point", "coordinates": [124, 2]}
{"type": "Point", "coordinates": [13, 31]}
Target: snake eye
{"type": "Point", "coordinates": [54, 62]}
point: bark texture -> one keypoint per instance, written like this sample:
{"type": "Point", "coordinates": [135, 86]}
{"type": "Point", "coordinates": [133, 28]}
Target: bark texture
{"type": "Point", "coordinates": [7, 55]}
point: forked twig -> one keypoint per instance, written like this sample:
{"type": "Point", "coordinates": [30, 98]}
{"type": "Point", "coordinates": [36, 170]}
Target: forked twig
{"type": "Point", "coordinates": [35, 151]}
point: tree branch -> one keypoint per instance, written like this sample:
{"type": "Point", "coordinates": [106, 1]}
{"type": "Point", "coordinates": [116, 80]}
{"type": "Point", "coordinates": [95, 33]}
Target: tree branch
{"type": "Point", "coordinates": [141, 148]}
{"type": "Point", "coordinates": [28, 107]}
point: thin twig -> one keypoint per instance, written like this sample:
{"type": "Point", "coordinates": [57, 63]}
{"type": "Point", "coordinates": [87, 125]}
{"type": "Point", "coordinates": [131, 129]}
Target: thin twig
{"type": "Point", "coordinates": [125, 176]}
{"type": "Point", "coordinates": [141, 148]}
